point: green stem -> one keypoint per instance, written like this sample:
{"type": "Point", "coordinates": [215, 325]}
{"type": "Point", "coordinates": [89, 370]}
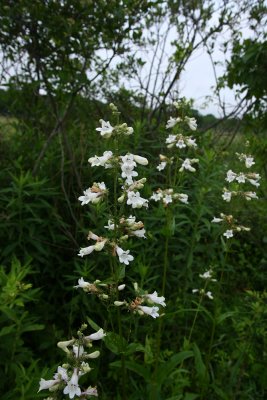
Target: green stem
{"type": "Point", "coordinates": [153, 394]}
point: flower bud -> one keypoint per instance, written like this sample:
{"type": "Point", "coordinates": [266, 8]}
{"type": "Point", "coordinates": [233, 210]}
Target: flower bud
{"type": "Point", "coordinates": [140, 160]}
{"type": "Point", "coordinates": [121, 198]}
{"type": "Point", "coordinates": [64, 345]}
{"type": "Point", "coordinates": [99, 245]}
{"type": "Point", "coordinates": [121, 287]}
{"type": "Point", "coordinates": [118, 303]}
{"type": "Point", "coordinates": [95, 354]}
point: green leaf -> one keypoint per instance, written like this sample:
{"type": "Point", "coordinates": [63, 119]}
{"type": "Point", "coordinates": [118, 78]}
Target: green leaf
{"type": "Point", "coordinates": [139, 369]}
{"type": "Point", "coordinates": [168, 366]}
{"type": "Point", "coordinates": [134, 347]}
{"type": "Point", "coordinates": [7, 330]}
{"type": "Point", "coordinates": [92, 324]}
{"type": "Point", "coordinates": [115, 343]}
{"type": "Point", "coordinates": [201, 369]}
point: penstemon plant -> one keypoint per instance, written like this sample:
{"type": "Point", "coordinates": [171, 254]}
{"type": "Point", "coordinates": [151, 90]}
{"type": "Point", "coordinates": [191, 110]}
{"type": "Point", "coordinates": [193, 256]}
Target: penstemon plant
{"type": "Point", "coordinates": [122, 198]}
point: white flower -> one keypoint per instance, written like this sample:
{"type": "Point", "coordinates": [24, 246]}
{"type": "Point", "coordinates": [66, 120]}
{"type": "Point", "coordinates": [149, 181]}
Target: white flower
{"type": "Point", "coordinates": [172, 122]}
{"type": "Point", "coordinates": [61, 374]}
{"type": "Point", "coordinates": [167, 199]}
{"type": "Point", "coordinates": [209, 295]}
{"type": "Point", "coordinates": [90, 391]}
{"type": "Point", "coordinates": [187, 164]}
{"type": "Point", "coordinates": [254, 182]}
{"type": "Point", "coordinates": [140, 160]}
{"type": "Point", "coordinates": [249, 161]}
{"type": "Point", "coordinates": [77, 350]}
{"type": "Point", "coordinates": [86, 250]}
{"type": "Point", "coordinates": [228, 233]}
{"type": "Point", "coordinates": [101, 161]}
{"type": "Point", "coordinates": [128, 173]}
{"type": "Point", "coordinates": [181, 144]}
{"type": "Point", "coordinates": [106, 129]}
{"type": "Point", "coordinates": [191, 142]}
{"type": "Point", "coordinates": [110, 226]}
{"type": "Point", "coordinates": [152, 311]}
{"type": "Point", "coordinates": [207, 275]}
{"type": "Point", "coordinates": [135, 200]}
{"type": "Point", "coordinates": [156, 196]}
{"type": "Point", "coordinates": [161, 166]}
{"type": "Point", "coordinates": [241, 178]}
{"type": "Point", "coordinates": [156, 299]}
{"type": "Point", "coordinates": [72, 388]}
{"type": "Point", "coordinates": [139, 233]}
{"type": "Point", "coordinates": [231, 176]}
{"type": "Point", "coordinates": [82, 284]}
{"type": "Point", "coordinates": [191, 122]}
{"type": "Point", "coordinates": [96, 336]}
{"type": "Point", "coordinates": [121, 287]}
{"type": "Point", "coordinates": [216, 220]}
{"type": "Point", "coordinates": [183, 198]}
{"type": "Point", "coordinates": [124, 256]}
{"type": "Point", "coordinates": [250, 195]}
{"type": "Point", "coordinates": [85, 368]}
{"type": "Point", "coordinates": [128, 160]}
{"type": "Point", "coordinates": [170, 139]}
{"type": "Point", "coordinates": [93, 194]}
{"type": "Point", "coordinates": [89, 197]}
{"type": "Point", "coordinates": [47, 384]}
{"type": "Point", "coordinates": [227, 196]}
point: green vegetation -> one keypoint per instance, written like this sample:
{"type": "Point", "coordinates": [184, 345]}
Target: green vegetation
{"type": "Point", "coordinates": [60, 82]}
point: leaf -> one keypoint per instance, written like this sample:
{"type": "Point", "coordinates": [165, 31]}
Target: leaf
{"type": "Point", "coordinates": [93, 324]}
{"type": "Point", "coordinates": [168, 366]}
{"type": "Point", "coordinates": [191, 396]}
{"type": "Point", "coordinates": [139, 369]}
{"type": "Point", "coordinates": [201, 369]}
{"type": "Point", "coordinates": [134, 347]}
{"type": "Point", "coordinates": [7, 330]}
{"type": "Point", "coordinates": [225, 315]}
{"type": "Point", "coordinates": [115, 343]}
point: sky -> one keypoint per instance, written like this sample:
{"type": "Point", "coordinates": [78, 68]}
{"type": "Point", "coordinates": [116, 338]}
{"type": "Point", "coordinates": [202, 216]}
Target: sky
{"type": "Point", "coordinates": [197, 81]}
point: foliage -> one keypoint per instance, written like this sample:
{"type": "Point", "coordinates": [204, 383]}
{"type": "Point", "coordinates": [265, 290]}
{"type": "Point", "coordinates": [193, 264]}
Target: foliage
{"type": "Point", "coordinates": [17, 320]}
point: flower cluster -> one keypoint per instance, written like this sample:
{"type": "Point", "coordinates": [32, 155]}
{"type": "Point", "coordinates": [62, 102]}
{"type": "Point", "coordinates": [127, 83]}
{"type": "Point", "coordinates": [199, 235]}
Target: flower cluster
{"type": "Point", "coordinates": [236, 179]}
{"type": "Point", "coordinates": [208, 277]}
{"type": "Point", "coordinates": [137, 306]}
{"type": "Point", "coordinates": [242, 178]}
{"type": "Point", "coordinates": [106, 130]}
{"type": "Point", "coordinates": [94, 194]}
{"type": "Point", "coordinates": [168, 196]}
{"type": "Point", "coordinates": [128, 226]}
{"type": "Point", "coordinates": [101, 242]}
{"type": "Point", "coordinates": [119, 227]}
{"type": "Point", "coordinates": [178, 140]}
{"type": "Point", "coordinates": [66, 379]}
{"type": "Point", "coordinates": [229, 222]}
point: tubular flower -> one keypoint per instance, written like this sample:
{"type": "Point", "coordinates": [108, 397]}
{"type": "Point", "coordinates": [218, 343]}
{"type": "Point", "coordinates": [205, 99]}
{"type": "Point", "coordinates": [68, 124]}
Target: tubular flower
{"type": "Point", "coordinates": [187, 164]}
{"type": "Point", "coordinates": [124, 256]}
{"type": "Point", "coordinates": [94, 194]}
{"type": "Point", "coordinates": [95, 336]}
{"type": "Point", "coordinates": [154, 298]}
{"type": "Point", "coordinates": [102, 161]}
{"type": "Point", "coordinates": [135, 200]}
{"type": "Point", "coordinates": [106, 129]}
{"type": "Point", "coordinates": [192, 123]}
{"type": "Point", "coordinates": [152, 311]}
{"type": "Point", "coordinates": [72, 388]}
